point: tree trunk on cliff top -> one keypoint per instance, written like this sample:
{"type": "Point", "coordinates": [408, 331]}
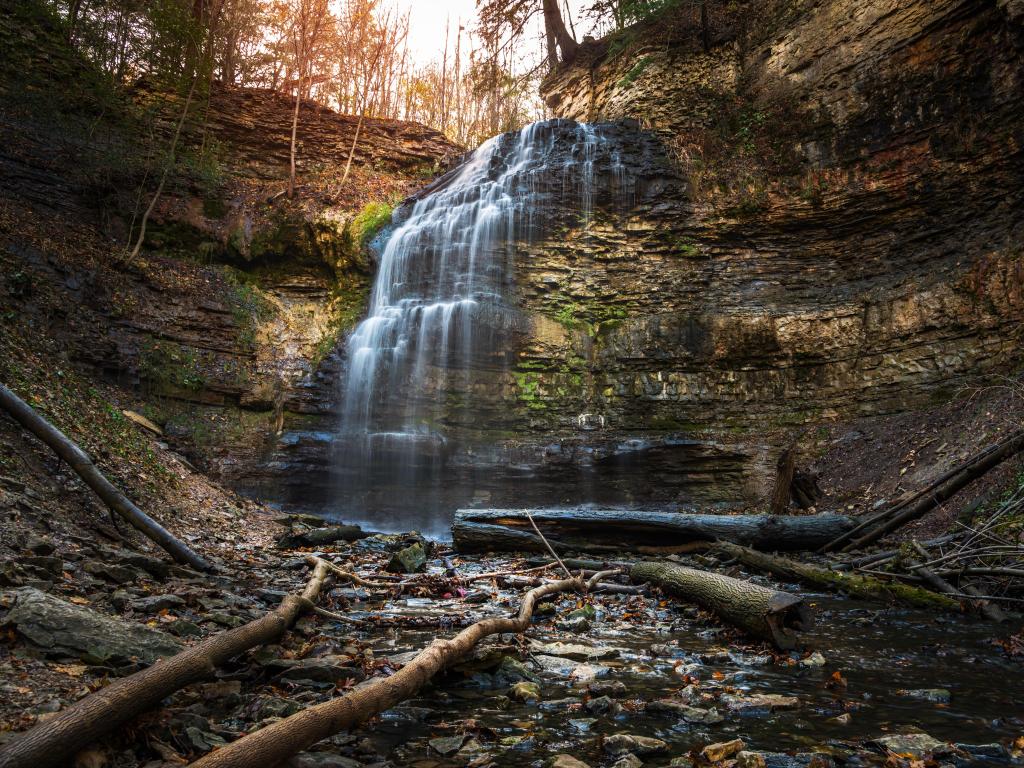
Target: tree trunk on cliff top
{"type": "Point", "coordinates": [765, 613]}
{"type": "Point", "coordinates": [54, 742]}
{"type": "Point", "coordinates": [481, 530]}
{"type": "Point", "coordinates": [77, 459]}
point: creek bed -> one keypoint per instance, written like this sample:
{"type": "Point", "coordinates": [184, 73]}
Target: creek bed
{"type": "Point", "coordinates": [884, 672]}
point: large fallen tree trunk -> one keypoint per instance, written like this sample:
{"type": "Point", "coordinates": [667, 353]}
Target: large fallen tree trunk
{"type": "Point", "coordinates": [856, 585]}
{"type": "Point", "coordinates": [274, 744]}
{"type": "Point", "coordinates": [55, 741]}
{"type": "Point", "coordinates": [765, 613]}
{"type": "Point", "coordinates": [482, 530]}
{"type": "Point", "coordinates": [80, 462]}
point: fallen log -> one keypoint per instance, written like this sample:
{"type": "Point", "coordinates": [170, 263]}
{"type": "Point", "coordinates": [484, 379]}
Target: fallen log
{"type": "Point", "coordinates": [319, 537]}
{"type": "Point", "coordinates": [769, 614]}
{"type": "Point", "coordinates": [855, 585]}
{"type": "Point", "coordinates": [274, 744]}
{"type": "Point", "coordinates": [481, 530]}
{"type": "Point", "coordinates": [54, 742]}
{"type": "Point", "coordinates": [982, 606]}
{"type": "Point", "coordinates": [920, 502]}
{"type": "Point", "coordinates": [80, 462]}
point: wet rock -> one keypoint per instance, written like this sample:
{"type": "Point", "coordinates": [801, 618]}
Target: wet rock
{"type": "Point", "coordinates": [628, 761]}
{"type": "Point", "coordinates": [447, 745]}
{"type": "Point", "coordinates": [614, 688]}
{"type": "Point", "coordinates": [156, 603]}
{"type": "Point", "coordinates": [582, 724]}
{"type": "Point", "coordinates": [560, 667]}
{"type": "Point", "coordinates": [935, 695]}
{"type": "Point", "coordinates": [750, 703]}
{"type": "Point", "coordinates": [412, 559]}
{"type": "Point", "coordinates": [321, 760]}
{"type": "Point", "coordinates": [916, 744]}
{"type": "Point", "coordinates": [603, 705]}
{"type": "Point", "coordinates": [511, 670]}
{"type": "Point", "coordinates": [65, 628]}
{"type": "Point", "coordinates": [722, 750]}
{"type": "Point", "coordinates": [575, 651]}
{"type": "Point", "coordinates": [984, 751]}
{"type": "Point", "coordinates": [202, 740]}
{"type": "Point", "coordinates": [319, 537]}
{"type": "Point", "coordinates": [525, 691]}
{"type": "Point", "coordinates": [747, 759]}
{"type": "Point", "coordinates": [623, 743]}
{"type": "Point", "coordinates": [565, 761]}
{"type": "Point", "coordinates": [814, 660]}
{"type": "Point", "coordinates": [154, 566]}
{"type": "Point", "coordinates": [683, 761]}
{"type": "Point", "coordinates": [577, 621]}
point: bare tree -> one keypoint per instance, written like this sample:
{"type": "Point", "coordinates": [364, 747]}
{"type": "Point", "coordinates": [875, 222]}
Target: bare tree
{"type": "Point", "coordinates": [307, 21]}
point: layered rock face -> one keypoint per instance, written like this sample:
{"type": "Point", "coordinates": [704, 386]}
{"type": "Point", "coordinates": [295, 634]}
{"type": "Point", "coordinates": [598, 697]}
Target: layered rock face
{"type": "Point", "coordinates": [856, 251]}
{"type": "Point", "coordinates": [826, 223]}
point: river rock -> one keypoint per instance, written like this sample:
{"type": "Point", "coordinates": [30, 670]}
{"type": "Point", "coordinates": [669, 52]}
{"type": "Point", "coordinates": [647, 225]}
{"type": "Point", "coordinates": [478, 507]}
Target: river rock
{"type": "Point", "coordinates": [628, 761]}
{"type": "Point", "coordinates": [565, 761]}
{"type": "Point", "coordinates": [575, 651]}
{"type": "Point", "coordinates": [916, 744]}
{"type": "Point", "coordinates": [526, 691]}
{"type": "Point", "coordinates": [750, 703]}
{"type": "Point", "coordinates": [321, 670]}
{"type": "Point", "coordinates": [412, 559]}
{"type": "Point", "coordinates": [722, 750]}
{"type": "Point", "coordinates": [447, 745]}
{"type": "Point", "coordinates": [935, 695]}
{"type": "Point", "coordinates": [64, 628]}
{"type": "Point", "coordinates": [622, 743]}
{"type": "Point", "coordinates": [748, 759]}
{"type": "Point", "coordinates": [321, 760]}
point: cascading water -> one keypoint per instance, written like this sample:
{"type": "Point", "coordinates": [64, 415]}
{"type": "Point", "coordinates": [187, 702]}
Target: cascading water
{"type": "Point", "coordinates": [443, 307]}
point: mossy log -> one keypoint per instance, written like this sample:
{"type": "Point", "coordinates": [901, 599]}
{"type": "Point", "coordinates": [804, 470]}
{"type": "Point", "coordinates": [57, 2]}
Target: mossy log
{"type": "Point", "coordinates": [769, 614]}
{"type": "Point", "coordinates": [482, 530]}
{"type": "Point", "coordinates": [855, 585]}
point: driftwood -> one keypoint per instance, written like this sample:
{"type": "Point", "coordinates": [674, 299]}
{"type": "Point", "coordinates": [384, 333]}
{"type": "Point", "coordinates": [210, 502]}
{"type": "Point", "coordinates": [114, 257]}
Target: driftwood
{"type": "Point", "coordinates": [985, 608]}
{"type": "Point", "coordinates": [481, 530]}
{"type": "Point", "coordinates": [277, 742]}
{"type": "Point", "coordinates": [319, 537]}
{"type": "Point", "coordinates": [919, 503]}
{"type": "Point", "coordinates": [54, 742]}
{"type": "Point", "coordinates": [80, 462]}
{"type": "Point", "coordinates": [783, 490]}
{"type": "Point", "coordinates": [856, 585]}
{"type": "Point", "coordinates": [765, 613]}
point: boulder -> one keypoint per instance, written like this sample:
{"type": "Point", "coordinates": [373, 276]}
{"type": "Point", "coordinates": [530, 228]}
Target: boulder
{"type": "Point", "coordinates": [60, 627]}
{"type": "Point", "coordinates": [412, 559]}
{"type": "Point", "coordinates": [565, 761]}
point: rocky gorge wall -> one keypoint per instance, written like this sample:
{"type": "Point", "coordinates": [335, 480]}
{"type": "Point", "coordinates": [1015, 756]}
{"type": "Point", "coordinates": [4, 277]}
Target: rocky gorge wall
{"type": "Point", "coordinates": [828, 224]}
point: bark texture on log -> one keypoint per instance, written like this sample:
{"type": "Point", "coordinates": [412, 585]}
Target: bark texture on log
{"type": "Point", "coordinates": [855, 585]}
{"type": "Point", "coordinates": [54, 742]}
{"type": "Point", "coordinates": [481, 530]}
{"type": "Point", "coordinates": [274, 744]}
{"type": "Point", "coordinates": [769, 614]}
{"type": "Point", "coordinates": [80, 462]}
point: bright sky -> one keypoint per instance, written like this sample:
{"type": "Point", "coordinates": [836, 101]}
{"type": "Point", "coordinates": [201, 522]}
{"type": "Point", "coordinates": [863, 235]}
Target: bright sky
{"type": "Point", "coordinates": [427, 22]}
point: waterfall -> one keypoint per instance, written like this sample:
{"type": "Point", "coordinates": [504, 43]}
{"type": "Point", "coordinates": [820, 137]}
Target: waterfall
{"type": "Point", "coordinates": [442, 307]}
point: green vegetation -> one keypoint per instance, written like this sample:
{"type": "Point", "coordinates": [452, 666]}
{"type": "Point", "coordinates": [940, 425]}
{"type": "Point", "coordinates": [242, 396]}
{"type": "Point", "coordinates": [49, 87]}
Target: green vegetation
{"type": "Point", "coordinates": [249, 306]}
{"type": "Point", "coordinates": [167, 366]}
{"type": "Point", "coordinates": [638, 69]}
{"type": "Point", "coordinates": [369, 221]}
{"type": "Point", "coordinates": [591, 317]}
{"type": "Point", "coordinates": [348, 305]}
